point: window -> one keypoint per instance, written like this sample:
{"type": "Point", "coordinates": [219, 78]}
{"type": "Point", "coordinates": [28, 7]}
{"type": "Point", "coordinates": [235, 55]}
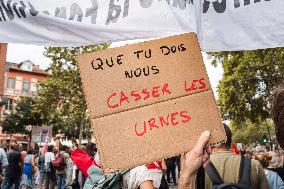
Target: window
{"type": "Point", "coordinates": [11, 83]}
{"type": "Point", "coordinates": [26, 86]}
{"type": "Point", "coordinates": [29, 67]}
{"type": "Point", "coordinates": [9, 105]}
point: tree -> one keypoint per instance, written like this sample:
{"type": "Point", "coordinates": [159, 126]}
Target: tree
{"type": "Point", "coordinates": [60, 101]}
{"type": "Point", "coordinates": [249, 133]}
{"type": "Point", "coordinates": [249, 77]}
{"type": "Point", "coordinates": [22, 117]}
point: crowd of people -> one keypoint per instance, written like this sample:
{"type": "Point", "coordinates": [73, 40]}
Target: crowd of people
{"type": "Point", "coordinates": [218, 166]}
{"type": "Point", "coordinates": [61, 168]}
{"type": "Point", "coordinates": [66, 167]}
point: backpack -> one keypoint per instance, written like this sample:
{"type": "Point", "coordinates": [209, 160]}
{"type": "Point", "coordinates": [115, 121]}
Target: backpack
{"type": "Point", "coordinates": [244, 177]}
{"type": "Point", "coordinates": [48, 167]}
{"type": "Point", "coordinates": [59, 162]}
{"type": "Point", "coordinates": [98, 180]}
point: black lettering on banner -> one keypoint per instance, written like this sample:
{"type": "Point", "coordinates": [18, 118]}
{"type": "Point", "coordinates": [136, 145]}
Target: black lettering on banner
{"type": "Point", "coordinates": [113, 9]}
{"type": "Point", "coordinates": [15, 9]}
{"type": "Point", "coordinates": [2, 14]}
{"type": "Point", "coordinates": [22, 9]}
{"type": "Point", "coordinates": [61, 12]}
{"type": "Point", "coordinates": [75, 9]}
{"type": "Point", "coordinates": [220, 7]}
{"type": "Point", "coordinates": [180, 3]}
{"type": "Point", "coordinates": [33, 12]}
{"type": "Point", "coordinates": [246, 2]}
{"type": "Point", "coordinates": [237, 3]}
{"type": "Point", "coordinates": [257, 1]}
{"type": "Point", "coordinates": [93, 11]}
{"type": "Point", "coordinates": [7, 8]}
{"type": "Point", "coordinates": [126, 8]}
{"type": "Point", "coordinates": [146, 3]}
{"type": "Point", "coordinates": [205, 6]}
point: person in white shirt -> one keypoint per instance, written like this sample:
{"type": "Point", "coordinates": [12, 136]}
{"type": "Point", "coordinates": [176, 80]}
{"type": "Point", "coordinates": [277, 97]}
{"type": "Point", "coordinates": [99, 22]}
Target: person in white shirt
{"type": "Point", "coordinates": [50, 179]}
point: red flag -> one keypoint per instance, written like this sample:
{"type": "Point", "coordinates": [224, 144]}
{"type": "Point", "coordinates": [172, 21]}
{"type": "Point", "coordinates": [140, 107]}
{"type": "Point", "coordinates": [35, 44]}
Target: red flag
{"type": "Point", "coordinates": [83, 161]}
{"type": "Point", "coordinates": [235, 150]}
{"type": "Point", "coordinates": [44, 148]}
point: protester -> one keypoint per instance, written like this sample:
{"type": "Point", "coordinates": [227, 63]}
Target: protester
{"type": "Point", "coordinates": [41, 171]}
{"type": "Point", "coordinates": [12, 171]}
{"type": "Point", "coordinates": [71, 180]}
{"type": "Point", "coordinates": [3, 163]}
{"type": "Point", "coordinates": [62, 157]}
{"type": "Point", "coordinates": [20, 147]}
{"type": "Point", "coordinates": [225, 161]}
{"type": "Point", "coordinates": [249, 154]}
{"type": "Point", "coordinates": [50, 177]}
{"type": "Point", "coordinates": [29, 165]}
{"type": "Point", "coordinates": [273, 178]}
{"type": "Point", "coordinates": [277, 113]}
{"type": "Point", "coordinates": [156, 174]}
{"type": "Point", "coordinates": [171, 169]}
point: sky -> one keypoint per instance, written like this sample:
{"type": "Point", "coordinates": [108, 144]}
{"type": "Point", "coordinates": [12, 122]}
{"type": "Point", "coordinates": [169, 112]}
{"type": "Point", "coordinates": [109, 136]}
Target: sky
{"type": "Point", "coordinates": [19, 52]}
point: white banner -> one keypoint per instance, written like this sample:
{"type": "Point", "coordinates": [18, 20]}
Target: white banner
{"type": "Point", "coordinates": [242, 25]}
{"type": "Point", "coordinates": [220, 24]}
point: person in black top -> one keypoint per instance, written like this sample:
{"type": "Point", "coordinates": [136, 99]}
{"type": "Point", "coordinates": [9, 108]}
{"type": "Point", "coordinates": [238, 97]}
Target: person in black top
{"type": "Point", "coordinates": [12, 171]}
{"type": "Point", "coordinates": [171, 169]}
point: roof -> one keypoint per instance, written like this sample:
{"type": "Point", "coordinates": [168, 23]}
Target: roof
{"type": "Point", "coordinates": [35, 68]}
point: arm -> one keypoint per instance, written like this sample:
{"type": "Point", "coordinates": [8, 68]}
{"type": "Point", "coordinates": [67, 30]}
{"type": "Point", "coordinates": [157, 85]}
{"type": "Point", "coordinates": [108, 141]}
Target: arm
{"type": "Point", "coordinates": [4, 158]}
{"type": "Point", "coordinates": [262, 179]}
{"type": "Point", "coordinates": [33, 160]}
{"type": "Point", "coordinates": [147, 185]}
{"type": "Point", "coordinates": [187, 181]}
{"type": "Point", "coordinates": [192, 161]}
{"type": "Point", "coordinates": [164, 166]}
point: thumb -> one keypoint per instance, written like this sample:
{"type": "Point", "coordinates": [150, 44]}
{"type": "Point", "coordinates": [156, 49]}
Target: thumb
{"type": "Point", "coordinates": [202, 141]}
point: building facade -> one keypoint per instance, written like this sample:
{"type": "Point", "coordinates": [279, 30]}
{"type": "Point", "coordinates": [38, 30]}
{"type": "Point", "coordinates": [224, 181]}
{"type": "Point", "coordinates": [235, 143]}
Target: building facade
{"type": "Point", "coordinates": [3, 52]}
{"type": "Point", "coordinates": [21, 80]}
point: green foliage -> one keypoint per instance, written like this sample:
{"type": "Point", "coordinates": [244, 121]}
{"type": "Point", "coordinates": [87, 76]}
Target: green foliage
{"type": "Point", "coordinates": [22, 117]}
{"type": "Point", "coordinates": [249, 133]}
{"type": "Point", "coordinates": [60, 100]}
{"type": "Point", "coordinates": [248, 78]}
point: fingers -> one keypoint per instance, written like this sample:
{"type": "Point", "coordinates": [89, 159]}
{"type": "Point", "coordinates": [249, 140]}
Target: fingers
{"type": "Point", "coordinates": [209, 150]}
{"type": "Point", "coordinates": [202, 141]}
{"type": "Point", "coordinates": [205, 158]}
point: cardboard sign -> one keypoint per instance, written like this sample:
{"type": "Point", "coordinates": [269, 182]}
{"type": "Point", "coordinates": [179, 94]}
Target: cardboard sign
{"type": "Point", "coordinates": [149, 100]}
{"type": "Point", "coordinates": [39, 134]}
